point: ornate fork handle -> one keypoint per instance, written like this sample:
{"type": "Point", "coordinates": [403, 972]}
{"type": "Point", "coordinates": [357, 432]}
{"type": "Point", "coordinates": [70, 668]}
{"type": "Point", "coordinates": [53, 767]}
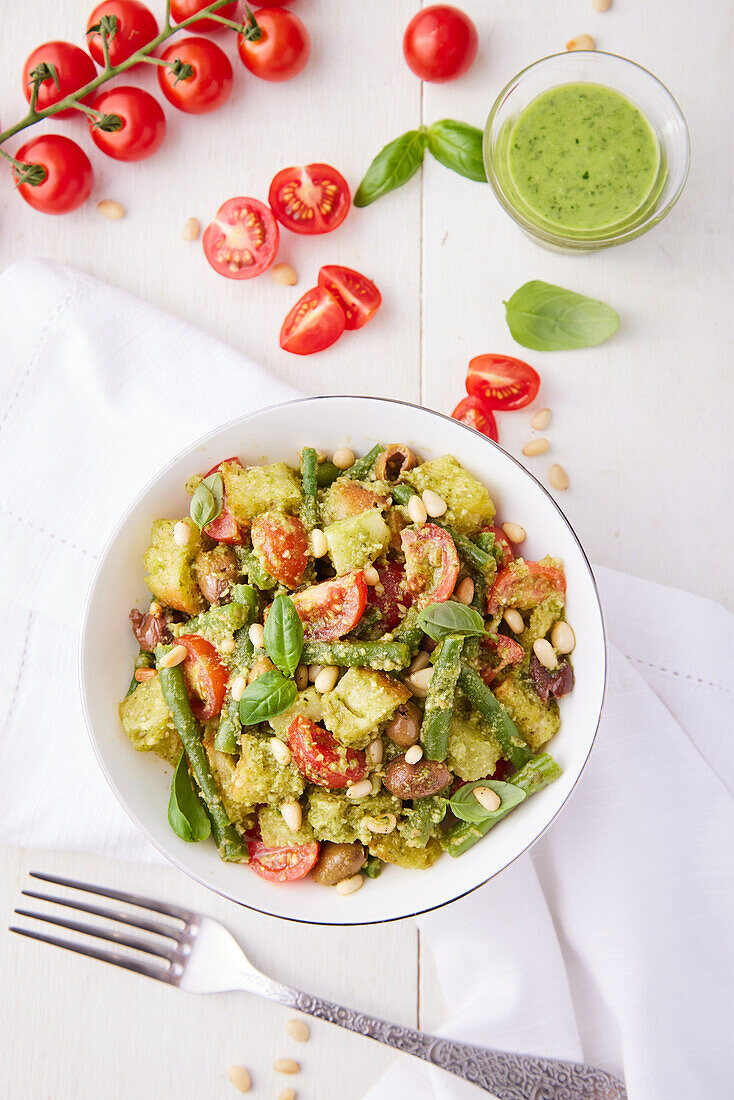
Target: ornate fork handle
{"type": "Point", "coordinates": [507, 1076]}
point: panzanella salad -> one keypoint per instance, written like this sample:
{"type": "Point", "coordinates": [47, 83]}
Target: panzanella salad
{"type": "Point", "coordinates": [346, 664]}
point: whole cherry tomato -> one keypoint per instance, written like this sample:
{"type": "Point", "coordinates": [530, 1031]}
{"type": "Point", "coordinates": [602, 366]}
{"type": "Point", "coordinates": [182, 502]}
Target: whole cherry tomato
{"type": "Point", "coordinates": [475, 412]}
{"type": "Point", "coordinates": [200, 79]}
{"type": "Point", "coordinates": [183, 9]}
{"type": "Point", "coordinates": [143, 124]}
{"type": "Point", "coordinates": [314, 323]}
{"type": "Point", "coordinates": [282, 49]}
{"type": "Point", "coordinates": [136, 26]}
{"type": "Point", "coordinates": [74, 68]}
{"type": "Point", "coordinates": [311, 199]}
{"type": "Point", "coordinates": [68, 175]}
{"type": "Point", "coordinates": [503, 382]}
{"type": "Point", "coordinates": [242, 240]}
{"type": "Point", "coordinates": [440, 43]}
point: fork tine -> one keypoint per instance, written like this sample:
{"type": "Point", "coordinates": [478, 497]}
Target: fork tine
{"type": "Point", "coordinates": [186, 915]}
{"type": "Point", "coordinates": [144, 925]}
{"type": "Point", "coordinates": [146, 969]}
{"type": "Point", "coordinates": [110, 935]}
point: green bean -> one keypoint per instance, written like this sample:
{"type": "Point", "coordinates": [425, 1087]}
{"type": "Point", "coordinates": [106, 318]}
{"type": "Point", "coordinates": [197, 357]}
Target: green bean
{"type": "Point", "coordinates": [326, 473]}
{"type": "Point", "coordinates": [247, 596]}
{"type": "Point", "coordinates": [369, 620]}
{"type": "Point", "coordinates": [230, 844]}
{"type": "Point", "coordinates": [143, 660]}
{"type": "Point", "coordinates": [401, 493]}
{"type": "Point", "coordinates": [420, 822]}
{"type": "Point", "coordinates": [228, 731]}
{"type": "Point", "coordinates": [256, 572]}
{"type": "Point", "coordinates": [363, 466]}
{"type": "Point", "coordinates": [409, 631]}
{"type": "Point", "coordinates": [536, 774]}
{"type": "Point", "coordinates": [310, 506]}
{"type": "Point", "coordinates": [469, 551]}
{"type": "Point", "coordinates": [440, 698]}
{"type": "Point", "coordinates": [487, 541]}
{"type": "Point", "coordinates": [513, 745]}
{"type": "Point", "coordinates": [479, 599]}
{"type": "Point", "coordinates": [388, 656]}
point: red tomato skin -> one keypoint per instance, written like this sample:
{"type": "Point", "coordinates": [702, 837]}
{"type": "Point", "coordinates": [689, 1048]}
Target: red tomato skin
{"type": "Point", "coordinates": [314, 323]}
{"type": "Point", "coordinates": [240, 216]}
{"type": "Point", "coordinates": [182, 9]}
{"type": "Point", "coordinates": [502, 382]}
{"type": "Point", "coordinates": [144, 124]}
{"type": "Point", "coordinates": [310, 199]}
{"type": "Point", "coordinates": [440, 43]}
{"type": "Point", "coordinates": [475, 413]}
{"type": "Point", "coordinates": [321, 759]}
{"type": "Point", "coordinates": [282, 51]}
{"type": "Point", "coordinates": [417, 544]}
{"type": "Point", "coordinates": [529, 590]}
{"type": "Point", "coordinates": [136, 26]}
{"type": "Point", "coordinates": [203, 667]}
{"type": "Point", "coordinates": [282, 864]}
{"type": "Point", "coordinates": [69, 175]}
{"type": "Point", "coordinates": [75, 68]}
{"type": "Point", "coordinates": [225, 527]}
{"type": "Point", "coordinates": [331, 609]}
{"type": "Point", "coordinates": [508, 550]}
{"type": "Point", "coordinates": [394, 594]}
{"type": "Point", "coordinates": [357, 295]}
{"type": "Point", "coordinates": [272, 535]}
{"type": "Point", "coordinates": [211, 83]}
{"type": "Point", "coordinates": [508, 651]}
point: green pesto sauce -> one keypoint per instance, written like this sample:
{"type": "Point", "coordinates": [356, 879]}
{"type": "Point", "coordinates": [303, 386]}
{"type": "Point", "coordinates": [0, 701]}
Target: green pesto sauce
{"type": "Point", "coordinates": [583, 157]}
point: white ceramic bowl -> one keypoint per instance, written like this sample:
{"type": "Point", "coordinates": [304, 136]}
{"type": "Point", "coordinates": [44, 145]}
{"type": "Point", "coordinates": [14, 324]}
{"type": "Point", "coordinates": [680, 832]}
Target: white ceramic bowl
{"type": "Point", "coordinates": [141, 781]}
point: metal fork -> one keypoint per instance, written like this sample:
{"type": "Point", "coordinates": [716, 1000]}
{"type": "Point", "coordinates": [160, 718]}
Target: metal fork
{"type": "Point", "coordinates": [199, 955]}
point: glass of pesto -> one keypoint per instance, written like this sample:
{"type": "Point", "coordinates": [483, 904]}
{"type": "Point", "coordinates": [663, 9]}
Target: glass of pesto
{"type": "Point", "coordinates": [586, 150]}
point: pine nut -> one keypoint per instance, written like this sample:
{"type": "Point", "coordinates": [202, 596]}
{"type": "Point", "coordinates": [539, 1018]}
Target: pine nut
{"type": "Point", "coordinates": [371, 576]}
{"type": "Point", "coordinates": [181, 533]}
{"type": "Point", "coordinates": [413, 754]}
{"type": "Point", "coordinates": [313, 671]}
{"type": "Point", "coordinates": [226, 646]}
{"type": "Point", "coordinates": [298, 1030]}
{"type": "Point", "coordinates": [581, 42]}
{"type": "Point", "coordinates": [464, 591]}
{"type": "Point", "coordinates": [260, 668]}
{"type": "Point", "coordinates": [536, 447]}
{"type": "Point", "coordinates": [374, 752]}
{"type": "Point", "coordinates": [514, 532]}
{"type": "Point", "coordinates": [108, 208]}
{"type": "Point", "coordinates": [191, 229]}
{"type": "Point", "coordinates": [487, 798]}
{"type": "Point", "coordinates": [326, 679]}
{"type": "Point", "coordinates": [540, 420]}
{"type": "Point", "coordinates": [143, 674]}
{"type": "Point", "coordinates": [285, 274]}
{"type": "Point", "coordinates": [286, 1065]}
{"type": "Point", "coordinates": [514, 620]}
{"type": "Point", "coordinates": [563, 637]}
{"type": "Point", "coordinates": [434, 504]}
{"type": "Point", "coordinates": [240, 1078]}
{"type": "Point", "coordinates": [360, 790]}
{"type": "Point", "coordinates": [343, 458]}
{"type": "Point", "coordinates": [601, 5]}
{"type": "Point", "coordinates": [545, 653]}
{"type": "Point", "coordinates": [280, 751]}
{"type": "Point", "coordinates": [558, 477]}
{"type": "Point", "coordinates": [420, 661]}
{"type": "Point", "coordinates": [417, 510]}
{"type": "Point", "coordinates": [383, 824]}
{"type": "Point", "coordinates": [155, 609]}
{"type": "Point", "coordinates": [237, 688]}
{"type": "Point", "coordinates": [349, 885]}
{"type": "Point", "coordinates": [301, 677]}
{"type": "Point", "coordinates": [292, 815]}
{"type": "Point", "coordinates": [287, 1094]}
{"type": "Point", "coordinates": [419, 681]}
{"type": "Point", "coordinates": [319, 545]}
{"type": "Point", "coordinates": [174, 657]}
{"type": "Point", "coordinates": [256, 634]}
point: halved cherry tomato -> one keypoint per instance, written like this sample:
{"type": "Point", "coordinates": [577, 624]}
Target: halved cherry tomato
{"type": "Point", "coordinates": [69, 176]}
{"type": "Point", "coordinates": [282, 864]}
{"type": "Point", "coordinates": [242, 240]}
{"type": "Point", "coordinates": [74, 69]}
{"type": "Point", "coordinates": [440, 43]}
{"type": "Point", "coordinates": [282, 49]}
{"type": "Point", "coordinates": [475, 412]}
{"type": "Point", "coordinates": [431, 563]}
{"type": "Point", "coordinates": [311, 199]}
{"type": "Point", "coordinates": [525, 584]}
{"type": "Point", "coordinates": [501, 540]}
{"type": "Point", "coordinates": [184, 9]}
{"type": "Point", "coordinates": [207, 87]}
{"type": "Point", "coordinates": [321, 758]}
{"type": "Point", "coordinates": [314, 324]}
{"type": "Point", "coordinates": [356, 294]}
{"type": "Point", "coordinates": [205, 675]}
{"type": "Point", "coordinates": [225, 527]}
{"type": "Point", "coordinates": [136, 25]}
{"type": "Point", "coordinates": [391, 596]}
{"type": "Point", "coordinates": [282, 542]}
{"type": "Point", "coordinates": [505, 651]}
{"type": "Point", "coordinates": [143, 124]}
{"type": "Point", "coordinates": [331, 609]}
{"type": "Point", "coordinates": [504, 383]}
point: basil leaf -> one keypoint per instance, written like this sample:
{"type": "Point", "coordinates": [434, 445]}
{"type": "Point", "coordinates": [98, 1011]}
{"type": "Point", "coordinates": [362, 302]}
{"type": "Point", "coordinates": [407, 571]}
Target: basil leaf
{"type": "Point", "coordinates": [458, 146]}
{"type": "Point", "coordinates": [548, 318]}
{"type": "Point", "coordinates": [186, 814]}
{"type": "Point", "coordinates": [207, 501]}
{"type": "Point", "coordinates": [438, 620]}
{"type": "Point", "coordinates": [392, 167]}
{"type": "Point", "coordinates": [284, 635]}
{"type": "Point", "coordinates": [265, 697]}
{"type": "Point", "coordinates": [465, 806]}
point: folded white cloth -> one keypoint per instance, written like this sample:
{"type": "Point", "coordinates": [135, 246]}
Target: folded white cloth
{"type": "Point", "coordinates": [610, 942]}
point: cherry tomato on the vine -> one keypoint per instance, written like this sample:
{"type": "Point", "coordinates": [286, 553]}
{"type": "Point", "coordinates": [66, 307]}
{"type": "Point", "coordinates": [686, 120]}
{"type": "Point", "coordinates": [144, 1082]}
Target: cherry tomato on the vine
{"type": "Point", "coordinates": [74, 69]}
{"type": "Point", "coordinates": [242, 240]}
{"type": "Point", "coordinates": [440, 43]}
{"type": "Point", "coordinates": [143, 124]}
{"type": "Point", "coordinates": [136, 26]}
{"type": "Point", "coordinates": [356, 294]}
{"type": "Point", "coordinates": [314, 324]}
{"type": "Point", "coordinates": [183, 9]}
{"type": "Point", "coordinates": [282, 49]}
{"type": "Point", "coordinates": [502, 382]}
{"type": "Point", "coordinates": [475, 412]}
{"type": "Point", "coordinates": [311, 199]}
{"type": "Point", "coordinates": [68, 174]}
{"type": "Point", "coordinates": [202, 90]}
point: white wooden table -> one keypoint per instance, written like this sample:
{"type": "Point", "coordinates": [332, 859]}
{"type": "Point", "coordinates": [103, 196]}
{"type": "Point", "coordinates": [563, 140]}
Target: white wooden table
{"type": "Point", "coordinates": [642, 425]}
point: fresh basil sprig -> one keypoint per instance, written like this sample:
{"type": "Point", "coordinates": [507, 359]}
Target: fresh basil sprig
{"type": "Point", "coordinates": [266, 697]}
{"type": "Point", "coordinates": [458, 146]}
{"type": "Point", "coordinates": [438, 620]}
{"type": "Point", "coordinates": [284, 635]}
{"type": "Point", "coordinates": [186, 814]}
{"type": "Point", "coordinates": [392, 167]}
{"type": "Point", "coordinates": [207, 501]}
{"type": "Point", "coordinates": [549, 318]}
{"type": "Point", "coordinates": [466, 807]}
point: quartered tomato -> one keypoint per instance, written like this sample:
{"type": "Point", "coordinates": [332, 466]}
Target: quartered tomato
{"type": "Point", "coordinates": [143, 124]}
{"type": "Point", "coordinates": [242, 240]}
{"type": "Point", "coordinates": [136, 25]}
{"type": "Point", "coordinates": [282, 864]}
{"type": "Point", "coordinates": [321, 758]}
{"type": "Point", "coordinates": [205, 675]}
{"type": "Point", "coordinates": [504, 383]}
{"type": "Point", "coordinates": [311, 199]}
{"type": "Point", "coordinates": [356, 294]}
{"type": "Point", "coordinates": [68, 174]}
{"type": "Point", "coordinates": [504, 651]}
{"type": "Point", "coordinates": [525, 584]}
{"type": "Point", "coordinates": [281, 541]}
{"type": "Point", "coordinates": [501, 540]}
{"type": "Point", "coordinates": [225, 527]}
{"type": "Point", "coordinates": [208, 84]}
{"type": "Point", "coordinates": [74, 68]}
{"type": "Point", "coordinates": [431, 563]}
{"type": "Point", "coordinates": [391, 596]}
{"type": "Point", "coordinates": [282, 49]}
{"type": "Point", "coordinates": [331, 609]}
{"type": "Point", "coordinates": [184, 9]}
{"type": "Point", "coordinates": [314, 324]}
{"type": "Point", "coordinates": [475, 412]}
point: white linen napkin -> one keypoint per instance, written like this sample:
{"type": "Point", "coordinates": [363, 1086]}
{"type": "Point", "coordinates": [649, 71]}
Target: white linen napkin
{"type": "Point", "coordinates": [609, 942]}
